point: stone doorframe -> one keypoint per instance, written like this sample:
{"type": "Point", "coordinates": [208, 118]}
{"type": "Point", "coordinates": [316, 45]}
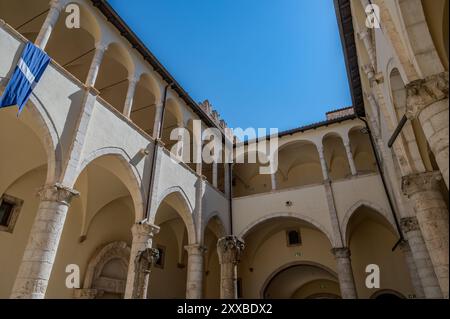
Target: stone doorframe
{"type": "Point", "coordinates": [96, 285]}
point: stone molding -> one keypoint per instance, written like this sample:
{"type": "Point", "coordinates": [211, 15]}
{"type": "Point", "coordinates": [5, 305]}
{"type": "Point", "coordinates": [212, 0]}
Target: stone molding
{"type": "Point", "coordinates": [57, 193]}
{"type": "Point", "coordinates": [421, 182]}
{"type": "Point", "coordinates": [408, 224]}
{"type": "Point", "coordinates": [424, 92]}
{"type": "Point", "coordinates": [229, 249]}
{"type": "Point", "coordinates": [341, 252]}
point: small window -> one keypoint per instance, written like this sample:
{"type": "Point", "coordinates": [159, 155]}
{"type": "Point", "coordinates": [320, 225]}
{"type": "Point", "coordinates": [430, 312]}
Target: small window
{"type": "Point", "coordinates": [293, 237]}
{"type": "Point", "coordinates": [9, 210]}
{"type": "Point", "coordinates": [162, 254]}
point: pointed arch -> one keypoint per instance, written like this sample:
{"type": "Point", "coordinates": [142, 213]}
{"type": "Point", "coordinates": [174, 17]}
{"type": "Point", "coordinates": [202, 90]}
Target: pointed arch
{"type": "Point", "coordinates": [129, 175]}
{"type": "Point", "coordinates": [374, 207]}
{"type": "Point", "coordinates": [184, 208]}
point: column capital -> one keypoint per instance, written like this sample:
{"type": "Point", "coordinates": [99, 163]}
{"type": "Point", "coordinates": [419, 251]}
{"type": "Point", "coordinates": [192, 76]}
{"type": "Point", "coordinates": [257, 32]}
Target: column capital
{"type": "Point", "coordinates": [363, 34]}
{"type": "Point", "coordinates": [424, 92]}
{"type": "Point", "coordinates": [100, 46]}
{"type": "Point", "coordinates": [144, 230]}
{"type": "Point", "coordinates": [320, 150]}
{"type": "Point", "coordinates": [195, 249]}
{"type": "Point", "coordinates": [404, 246]}
{"type": "Point", "coordinates": [369, 71]}
{"type": "Point", "coordinates": [341, 252]}
{"type": "Point", "coordinates": [229, 249]}
{"type": "Point", "coordinates": [421, 182]}
{"type": "Point", "coordinates": [408, 224]}
{"type": "Point", "coordinates": [133, 80]}
{"type": "Point", "coordinates": [56, 5]}
{"type": "Point", "coordinates": [57, 193]}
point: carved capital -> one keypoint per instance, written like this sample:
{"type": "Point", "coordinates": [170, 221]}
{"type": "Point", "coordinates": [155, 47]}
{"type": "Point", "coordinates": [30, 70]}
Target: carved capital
{"type": "Point", "coordinates": [56, 5]}
{"type": "Point", "coordinates": [230, 249]}
{"type": "Point", "coordinates": [101, 47]}
{"type": "Point", "coordinates": [409, 224]}
{"type": "Point", "coordinates": [144, 231]}
{"type": "Point", "coordinates": [369, 71]}
{"type": "Point", "coordinates": [424, 92]}
{"type": "Point", "coordinates": [85, 293]}
{"type": "Point", "coordinates": [195, 249]}
{"type": "Point", "coordinates": [341, 252]}
{"type": "Point", "coordinates": [57, 193]}
{"type": "Point", "coordinates": [421, 182]}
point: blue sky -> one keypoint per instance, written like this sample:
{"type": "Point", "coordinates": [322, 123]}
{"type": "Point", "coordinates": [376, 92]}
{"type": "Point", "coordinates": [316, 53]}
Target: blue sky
{"type": "Point", "coordinates": [261, 63]}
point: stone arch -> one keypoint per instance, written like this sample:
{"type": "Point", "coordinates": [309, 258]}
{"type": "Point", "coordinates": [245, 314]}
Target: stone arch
{"type": "Point", "coordinates": [221, 229]}
{"type": "Point", "coordinates": [185, 211]}
{"type": "Point", "coordinates": [74, 49]}
{"type": "Point", "coordinates": [363, 155]}
{"type": "Point", "coordinates": [124, 55]}
{"type": "Point", "coordinates": [302, 217]}
{"type": "Point", "coordinates": [290, 265]}
{"type": "Point", "coordinates": [115, 250]}
{"type": "Point", "coordinates": [130, 175]}
{"type": "Point", "coordinates": [335, 155]}
{"type": "Point", "coordinates": [381, 292]}
{"type": "Point", "coordinates": [89, 21]}
{"type": "Point", "coordinates": [145, 100]}
{"type": "Point", "coordinates": [412, 132]}
{"type": "Point", "coordinates": [423, 50]}
{"type": "Point", "coordinates": [116, 71]}
{"type": "Point", "coordinates": [363, 203]}
{"type": "Point", "coordinates": [36, 117]}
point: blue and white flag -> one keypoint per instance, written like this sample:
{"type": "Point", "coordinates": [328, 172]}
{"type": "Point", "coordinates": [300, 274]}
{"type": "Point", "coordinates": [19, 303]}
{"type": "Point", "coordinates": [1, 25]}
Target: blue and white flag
{"type": "Point", "coordinates": [27, 74]}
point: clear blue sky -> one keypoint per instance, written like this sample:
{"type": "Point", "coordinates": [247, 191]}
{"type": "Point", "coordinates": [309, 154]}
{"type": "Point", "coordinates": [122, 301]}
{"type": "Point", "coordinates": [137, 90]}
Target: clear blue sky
{"type": "Point", "coordinates": [261, 63]}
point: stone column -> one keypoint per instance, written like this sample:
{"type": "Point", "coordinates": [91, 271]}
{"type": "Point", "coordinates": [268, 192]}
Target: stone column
{"type": "Point", "coordinates": [229, 249]}
{"type": "Point", "coordinates": [422, 261]}
{"type": "Point", "coordinates": [49, 24]}
{"type": "Point", "coordinates": [432, 216]}
{"type": "Point", "coordinates": [215, 173]}
{"type": "Point", "coordinates": [132, 82]}
{"type": "Point", "coordinates": [273, 180]}
{"type": "Point", "coordinates": [413, 274]}
{"type": "Point", "coordinates": [351, 161]}
{"type": "Point", "coordinates": [337, 234]}
{"type": "Point", "coordinates": [100, 50]}
{"type": "Point", "coordinates": [40, 252]}
{"type": "Point", "coordinates": [345, 273]}
{"type": "Point", "coordinates": [365, 37]}
{"type": "Point", "coordinates": [140, 260]}
{"type": "Point", "coordinates": [194, 285]}
{"type": "Point", "coordinates": [158, 120]}
{"type": "Point", "coordinates": [227, 181]}
{"type": "Point", "coordinates": [428, 102]}
{"type": "Point", "coordinates": [323, 163]}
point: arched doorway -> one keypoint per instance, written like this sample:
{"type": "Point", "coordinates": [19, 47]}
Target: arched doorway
{"type": "Point", "coordinates": [271, 249]}
{"type": "Point", "coordinates": [302, 281]}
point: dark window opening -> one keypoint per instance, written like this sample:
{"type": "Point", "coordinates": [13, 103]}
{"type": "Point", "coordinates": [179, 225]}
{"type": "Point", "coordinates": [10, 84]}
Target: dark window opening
{"type": "Point", "coordinates": [9, 210]}
{"type": "Point", "coordinates": [293, 237]}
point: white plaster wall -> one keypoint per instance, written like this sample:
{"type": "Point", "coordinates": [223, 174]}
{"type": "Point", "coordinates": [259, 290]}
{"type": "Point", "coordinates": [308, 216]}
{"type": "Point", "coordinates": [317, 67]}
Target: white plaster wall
{"type": "Point", "coordinates": [309, 204]}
